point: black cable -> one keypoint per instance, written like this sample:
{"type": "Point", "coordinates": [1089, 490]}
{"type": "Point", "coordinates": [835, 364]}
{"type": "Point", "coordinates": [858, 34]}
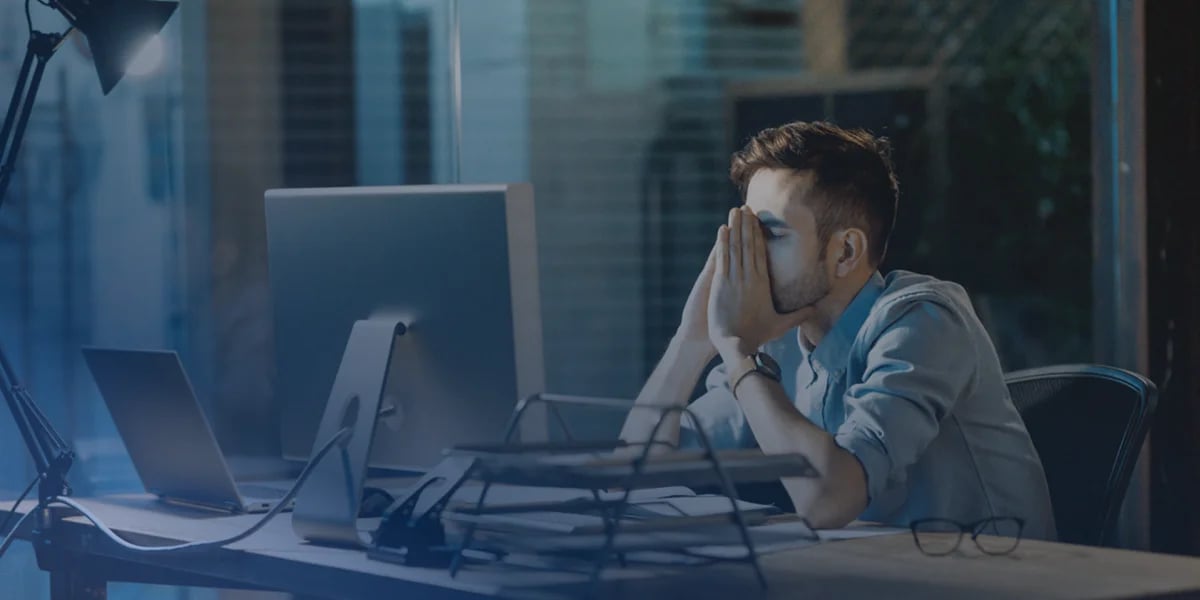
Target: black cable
{"type": "Point", "coordinates": [13, 510]}
{"type": "Point", "coordinates": [28, 19]}
{"type": "Point", "coordinates": [12, 535]}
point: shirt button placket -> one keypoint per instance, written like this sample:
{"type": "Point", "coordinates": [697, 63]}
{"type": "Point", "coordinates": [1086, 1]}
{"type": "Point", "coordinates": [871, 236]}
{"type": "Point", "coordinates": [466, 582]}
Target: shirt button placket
{"type": "Point", "coordinates": [836, 376]}
{"type": "Point", "coordinates": [820, 381]}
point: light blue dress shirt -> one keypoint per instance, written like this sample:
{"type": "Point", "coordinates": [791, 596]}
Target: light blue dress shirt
{"type": "Point", "coordinates": [909, 383]}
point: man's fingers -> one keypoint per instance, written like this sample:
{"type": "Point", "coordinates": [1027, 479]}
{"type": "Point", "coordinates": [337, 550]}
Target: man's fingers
{"type": "Point", "coordinates": [747, 239]}
{"type": "Point", "coordinates": [750, 243]}
{"type": "Point", "coordinates": [755, 259]}
{"type": "Point", "coordinates": [735, 244]}
{"type": "Point", "coordinates": [722, 251]}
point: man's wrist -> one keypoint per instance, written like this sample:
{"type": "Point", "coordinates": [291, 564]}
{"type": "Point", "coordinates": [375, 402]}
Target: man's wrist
{"type": "Point", "coordinates": [734, 349]}
{"type": "Point", "coordinates": [692, 345]}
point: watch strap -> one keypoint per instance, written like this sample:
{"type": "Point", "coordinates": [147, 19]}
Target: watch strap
{"type": "Point", "coordinates": [758, 362]}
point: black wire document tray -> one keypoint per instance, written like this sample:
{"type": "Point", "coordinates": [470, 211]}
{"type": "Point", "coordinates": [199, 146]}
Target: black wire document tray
{"type": "Point", "coordinates": [516, 465]}
{"type": "Point", "coordinates": [610, 519]}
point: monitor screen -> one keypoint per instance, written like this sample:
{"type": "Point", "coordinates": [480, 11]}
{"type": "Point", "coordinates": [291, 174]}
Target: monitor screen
{"type": "Point", "coordinates": [459, 262]}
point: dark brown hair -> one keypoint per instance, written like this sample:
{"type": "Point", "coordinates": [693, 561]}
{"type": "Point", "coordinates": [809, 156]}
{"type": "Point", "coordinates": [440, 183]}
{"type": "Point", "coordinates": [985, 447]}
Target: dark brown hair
{"type": "Point", "coordinates": [854, 181]}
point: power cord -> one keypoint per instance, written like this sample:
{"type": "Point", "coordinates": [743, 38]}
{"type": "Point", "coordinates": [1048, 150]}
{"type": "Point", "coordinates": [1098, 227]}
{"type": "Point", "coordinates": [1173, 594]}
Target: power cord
{"type": "Point", "coordinates": [13, 510]}
{"type": "Point", "coordinates": [335, 440]}
{"type": "Point", "coordinates": [8, 539]}
{"type": "Point", "coordinates": [12, 535]}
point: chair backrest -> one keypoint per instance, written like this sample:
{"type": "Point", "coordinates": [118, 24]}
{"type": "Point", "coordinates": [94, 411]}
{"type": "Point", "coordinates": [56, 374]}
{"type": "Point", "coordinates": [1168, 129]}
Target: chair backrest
{"type": "Point", "coordinates": [1088, 423]}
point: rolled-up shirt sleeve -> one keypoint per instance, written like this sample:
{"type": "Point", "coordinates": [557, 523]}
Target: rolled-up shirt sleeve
{"type": "Point", "coordinates": [717, 413]}
{"type": "Point", "coordinates": [922, 361]}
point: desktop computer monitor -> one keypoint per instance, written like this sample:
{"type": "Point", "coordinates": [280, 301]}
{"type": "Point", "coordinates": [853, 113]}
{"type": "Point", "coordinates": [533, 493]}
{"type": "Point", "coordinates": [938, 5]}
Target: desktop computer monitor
{"type": "Point", "coordinates": [459, 262]}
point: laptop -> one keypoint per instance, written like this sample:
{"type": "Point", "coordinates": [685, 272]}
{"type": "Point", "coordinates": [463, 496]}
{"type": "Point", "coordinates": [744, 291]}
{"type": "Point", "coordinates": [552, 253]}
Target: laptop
{"type": "Point", "coordinates": [167, 435]}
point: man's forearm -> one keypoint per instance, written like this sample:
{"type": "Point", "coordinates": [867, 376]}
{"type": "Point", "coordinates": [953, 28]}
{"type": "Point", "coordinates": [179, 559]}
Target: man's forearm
{"type": "Point", "coordinates": [670, 384]}
{"type": "Point", "coordinates": [838, 495]}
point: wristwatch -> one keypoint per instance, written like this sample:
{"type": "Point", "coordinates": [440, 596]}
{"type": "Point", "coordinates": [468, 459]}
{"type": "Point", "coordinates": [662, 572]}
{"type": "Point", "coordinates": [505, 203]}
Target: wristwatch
{"type": "Point", "coordinates": [759, 362]}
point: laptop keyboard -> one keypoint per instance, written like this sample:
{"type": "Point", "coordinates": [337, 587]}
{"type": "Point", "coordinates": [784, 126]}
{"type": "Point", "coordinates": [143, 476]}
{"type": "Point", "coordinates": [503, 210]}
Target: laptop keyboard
{"type": "Point", "coordinates": [251, 490]}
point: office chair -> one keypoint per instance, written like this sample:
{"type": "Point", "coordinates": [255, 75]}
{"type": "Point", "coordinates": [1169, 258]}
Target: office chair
{"type": "Point", "coordinates": [1088, 423]}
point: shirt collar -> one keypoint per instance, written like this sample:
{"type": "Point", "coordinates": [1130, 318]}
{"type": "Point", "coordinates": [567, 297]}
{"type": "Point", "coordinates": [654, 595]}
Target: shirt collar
{"type": "Point", "coordinates": [834, 350]}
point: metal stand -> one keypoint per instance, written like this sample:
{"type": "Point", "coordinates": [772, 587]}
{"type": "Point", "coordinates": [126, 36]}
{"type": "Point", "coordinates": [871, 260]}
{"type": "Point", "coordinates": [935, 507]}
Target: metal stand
{"type": "Point", "coordinates": [327, 508]}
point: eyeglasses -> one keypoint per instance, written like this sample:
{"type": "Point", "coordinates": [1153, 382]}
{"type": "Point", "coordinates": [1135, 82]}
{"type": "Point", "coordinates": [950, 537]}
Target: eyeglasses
{"type": "Point", "coordinates": [995, 536]}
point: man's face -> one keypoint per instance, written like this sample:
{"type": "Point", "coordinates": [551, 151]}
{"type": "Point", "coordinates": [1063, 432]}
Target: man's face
{"type": "Point", "coordinates": [798, 273]}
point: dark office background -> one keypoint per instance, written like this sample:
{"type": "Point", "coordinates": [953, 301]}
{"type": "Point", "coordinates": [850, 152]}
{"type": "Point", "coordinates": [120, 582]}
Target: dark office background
{"type": "Point", "coordinates": [137, 220]}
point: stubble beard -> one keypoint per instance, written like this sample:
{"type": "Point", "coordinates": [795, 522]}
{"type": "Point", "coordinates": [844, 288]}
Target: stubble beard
{"type": "Point", "coordinates": [802, 292]}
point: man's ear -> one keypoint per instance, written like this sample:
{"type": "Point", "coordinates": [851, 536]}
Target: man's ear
{"type": "Point", "coordinates": [851, 250]}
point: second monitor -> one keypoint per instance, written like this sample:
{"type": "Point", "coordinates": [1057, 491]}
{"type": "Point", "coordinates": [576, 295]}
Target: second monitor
{"type": "Point", "coordinates": [459, 262]}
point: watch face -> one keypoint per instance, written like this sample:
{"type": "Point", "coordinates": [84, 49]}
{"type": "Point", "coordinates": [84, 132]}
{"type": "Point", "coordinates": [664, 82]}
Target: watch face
{"type": "Point", "coordinates": [768, 365]}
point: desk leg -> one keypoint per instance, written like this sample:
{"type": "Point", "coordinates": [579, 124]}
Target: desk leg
{"type": "Point", "coordinates": [76, 585]}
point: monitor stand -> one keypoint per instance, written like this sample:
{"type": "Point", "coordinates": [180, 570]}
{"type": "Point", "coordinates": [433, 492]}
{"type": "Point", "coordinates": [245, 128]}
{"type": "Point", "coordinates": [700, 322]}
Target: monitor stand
{"type": "Point", "coordinates": [327, 506]}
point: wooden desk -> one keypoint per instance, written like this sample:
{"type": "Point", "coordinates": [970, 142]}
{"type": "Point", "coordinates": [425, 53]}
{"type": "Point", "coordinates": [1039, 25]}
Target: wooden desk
{"type": "Point", "coordinates": [81, 561]}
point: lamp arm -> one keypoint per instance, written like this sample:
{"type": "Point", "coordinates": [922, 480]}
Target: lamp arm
{"type": "Point", "coordinates": [39, 50]}
{"type": "Point", "coordinates": [52, 457]}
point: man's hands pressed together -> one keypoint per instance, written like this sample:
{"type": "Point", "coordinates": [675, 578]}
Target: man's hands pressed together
{"type": "Point", "coordinates": [731, 311]}
{"type": "Point", "coordinates": [741, 318]}
{"type": "Point", "coordinates": [741, 313]}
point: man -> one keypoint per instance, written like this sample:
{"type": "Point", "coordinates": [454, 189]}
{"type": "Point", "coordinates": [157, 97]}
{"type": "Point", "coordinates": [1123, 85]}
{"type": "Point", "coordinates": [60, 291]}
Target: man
{"type": "Point", "coordinates": [899, 400]}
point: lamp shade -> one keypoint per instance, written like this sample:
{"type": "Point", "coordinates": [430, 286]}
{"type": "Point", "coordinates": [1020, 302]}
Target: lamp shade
{"type": "Point", "coordinates": [116, 30]}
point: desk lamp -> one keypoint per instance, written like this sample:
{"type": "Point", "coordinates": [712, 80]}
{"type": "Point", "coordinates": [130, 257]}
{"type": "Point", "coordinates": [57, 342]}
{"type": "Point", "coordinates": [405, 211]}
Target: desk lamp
{"type": "Point", "coordinates": [115, 31]}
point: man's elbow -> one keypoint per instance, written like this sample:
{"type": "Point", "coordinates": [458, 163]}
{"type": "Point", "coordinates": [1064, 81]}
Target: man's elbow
{"type": "Point", "coordinates": [837, 496]}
